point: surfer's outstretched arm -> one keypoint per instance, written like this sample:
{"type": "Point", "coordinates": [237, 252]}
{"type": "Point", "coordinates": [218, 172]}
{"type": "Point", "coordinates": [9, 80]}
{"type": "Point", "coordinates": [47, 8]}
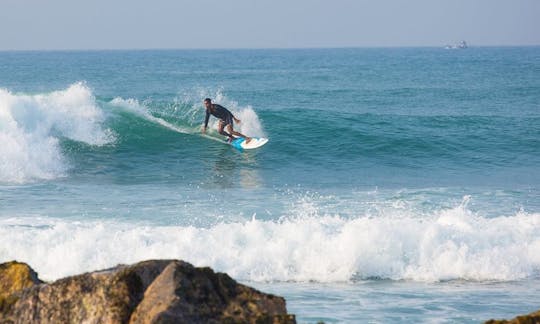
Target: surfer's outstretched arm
{"type": "Point", "coordinates": [205, 125]}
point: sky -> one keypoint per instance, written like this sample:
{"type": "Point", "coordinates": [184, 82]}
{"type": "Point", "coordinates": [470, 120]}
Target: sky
{"type": "Point", "coordinates": [171, 24]}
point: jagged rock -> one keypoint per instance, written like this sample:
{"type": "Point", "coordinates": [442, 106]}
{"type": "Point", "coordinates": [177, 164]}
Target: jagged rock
{"type": "Point", "coordinates": [532, 318]}
{"type": "Point", "coordinates": [15, 277]}
{"type": "Point", "coordinates": [157, 291]}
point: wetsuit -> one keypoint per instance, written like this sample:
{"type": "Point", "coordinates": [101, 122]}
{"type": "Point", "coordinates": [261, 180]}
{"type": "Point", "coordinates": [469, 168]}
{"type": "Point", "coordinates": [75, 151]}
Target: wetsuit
{"type": "Point", "coordinates": [223, 114]}
{"type": "Point", "coordinates": [219, 112]}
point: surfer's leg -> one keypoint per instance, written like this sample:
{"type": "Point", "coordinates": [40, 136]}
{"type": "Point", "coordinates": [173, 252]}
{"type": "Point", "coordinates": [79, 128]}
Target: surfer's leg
{"type": "Point", "coordinates": [232, 131]}
{"type": "Point", "coordinates": [222, 132]}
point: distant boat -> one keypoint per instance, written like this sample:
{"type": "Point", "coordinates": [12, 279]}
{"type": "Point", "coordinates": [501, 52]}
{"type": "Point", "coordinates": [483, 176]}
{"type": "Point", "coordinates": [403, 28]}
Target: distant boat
{"type": "Point", "coordinates": [461, 45]}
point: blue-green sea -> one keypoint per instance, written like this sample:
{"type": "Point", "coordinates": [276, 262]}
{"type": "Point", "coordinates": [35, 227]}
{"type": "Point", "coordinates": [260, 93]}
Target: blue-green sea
{"type": "Point", "coordinates": [398, 184]}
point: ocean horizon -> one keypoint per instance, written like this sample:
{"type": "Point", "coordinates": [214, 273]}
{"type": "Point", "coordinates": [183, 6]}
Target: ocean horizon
{"type": "Point", "coordinates": [187, 49]}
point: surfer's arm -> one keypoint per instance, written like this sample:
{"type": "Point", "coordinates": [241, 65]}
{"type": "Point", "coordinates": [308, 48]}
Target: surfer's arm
{"type": "Point", "coordinates": [206, 121]}
{"type": "Point", "coordinates": [236, 120]}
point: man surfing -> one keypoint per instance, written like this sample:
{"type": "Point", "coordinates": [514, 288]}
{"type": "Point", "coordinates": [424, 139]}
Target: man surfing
{"type": "Point", "coordinates": [226, 119]}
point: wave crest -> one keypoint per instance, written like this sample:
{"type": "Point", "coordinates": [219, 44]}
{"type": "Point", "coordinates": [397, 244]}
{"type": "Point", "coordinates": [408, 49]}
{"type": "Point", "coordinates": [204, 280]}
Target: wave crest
{"type": "Point", "coordinates": [31, 127]}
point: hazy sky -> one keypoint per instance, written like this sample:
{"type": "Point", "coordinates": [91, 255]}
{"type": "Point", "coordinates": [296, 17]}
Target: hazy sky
{"type": "Point", "coordinates": [130, 24]}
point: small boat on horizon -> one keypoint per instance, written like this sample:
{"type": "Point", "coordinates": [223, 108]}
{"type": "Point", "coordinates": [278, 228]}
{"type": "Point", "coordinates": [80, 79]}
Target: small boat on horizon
{"type": "Point", "coordinates": [461, 45]}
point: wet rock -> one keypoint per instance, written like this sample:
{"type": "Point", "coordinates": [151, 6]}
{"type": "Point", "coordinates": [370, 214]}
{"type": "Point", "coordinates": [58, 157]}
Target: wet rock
{"type": "Point", "coordinates": [157, 291]}
{"type": "Point", "coordinates": [533, 318]}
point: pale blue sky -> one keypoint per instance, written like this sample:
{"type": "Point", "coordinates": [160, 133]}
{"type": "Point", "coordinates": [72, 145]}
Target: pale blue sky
{"type": "Point", "coordinates": [134, 24]}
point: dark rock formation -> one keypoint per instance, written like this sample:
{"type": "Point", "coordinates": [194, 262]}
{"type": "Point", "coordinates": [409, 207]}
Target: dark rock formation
{"type": "Point", "coordinates": [159, 291]}
{"type": "Point", "coordinates": [533, 318]}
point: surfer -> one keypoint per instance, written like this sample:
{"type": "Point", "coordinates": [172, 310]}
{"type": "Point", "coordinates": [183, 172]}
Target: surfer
{"type": "Point", "coordinates": [226, 119]}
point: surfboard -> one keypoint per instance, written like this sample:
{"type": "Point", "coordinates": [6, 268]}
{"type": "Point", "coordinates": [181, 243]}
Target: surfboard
{"type": "Point", "coordinates": [256, 142]}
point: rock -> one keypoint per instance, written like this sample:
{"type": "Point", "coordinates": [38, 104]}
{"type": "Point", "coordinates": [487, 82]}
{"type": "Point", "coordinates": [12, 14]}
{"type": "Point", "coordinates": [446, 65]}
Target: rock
{"type": "Point", "coordinates": [532, 318]}
{"type": "Point", "coordinates": [15, 277]}
{"type": "Point", "coordinates": [157, 291]}
{"type": "Point", "coordinates": [199, 295]}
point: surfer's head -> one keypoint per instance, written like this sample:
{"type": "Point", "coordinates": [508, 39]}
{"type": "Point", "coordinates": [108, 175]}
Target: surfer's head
{"type": "Point", "coordinates": [207, 102]}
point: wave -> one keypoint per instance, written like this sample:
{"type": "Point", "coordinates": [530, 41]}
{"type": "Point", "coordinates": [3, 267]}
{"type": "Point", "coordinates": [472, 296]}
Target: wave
{"type": "Point", "coordinates": [410, 141]}
{"type": "Point", "coordinates": [34, 129]}
{"type": "Point", "coordinates": [45, 133]}
{"type": "Point", "coordinates": [449, 244]}
{"type": "Point", "coordinates": [31, 127]}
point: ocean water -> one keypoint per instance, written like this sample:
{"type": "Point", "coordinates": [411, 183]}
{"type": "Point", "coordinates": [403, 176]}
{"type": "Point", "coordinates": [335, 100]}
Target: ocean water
{"type": "Point", "coordinates": [398, 184]}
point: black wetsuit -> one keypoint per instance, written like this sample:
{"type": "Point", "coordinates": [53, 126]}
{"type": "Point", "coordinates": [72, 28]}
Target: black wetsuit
{"type": "Point", "coordinates": [219, 112]}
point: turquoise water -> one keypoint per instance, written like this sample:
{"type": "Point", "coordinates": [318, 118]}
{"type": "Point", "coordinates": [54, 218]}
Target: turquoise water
{"type": "Point", "coordinates": [406, 177]}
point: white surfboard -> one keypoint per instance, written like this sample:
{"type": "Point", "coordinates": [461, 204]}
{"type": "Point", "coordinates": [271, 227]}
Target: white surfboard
{"type": "Point", "coordinates": [240, 143]}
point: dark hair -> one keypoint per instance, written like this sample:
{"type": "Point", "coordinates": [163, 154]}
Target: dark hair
{"type": "Point", "coordinates": [207, 100]}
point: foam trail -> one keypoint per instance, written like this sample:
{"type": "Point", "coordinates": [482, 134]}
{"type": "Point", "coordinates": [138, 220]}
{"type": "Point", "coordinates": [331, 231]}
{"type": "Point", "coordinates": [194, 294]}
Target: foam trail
{"type": "Point", "coordinates": [133, 105]}
{"type": "Point", "coordinates": [31, 125]}
{"type": "Point", "coordinates": [447, 245]}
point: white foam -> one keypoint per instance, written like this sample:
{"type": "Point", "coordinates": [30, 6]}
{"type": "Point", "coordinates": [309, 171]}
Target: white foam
{"type": "Point", "coordinates": [250, 124]}
{"type": "Point", "coordinates": [31, 125]}
{"type": "Point", "coordinates": [446, 245]}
